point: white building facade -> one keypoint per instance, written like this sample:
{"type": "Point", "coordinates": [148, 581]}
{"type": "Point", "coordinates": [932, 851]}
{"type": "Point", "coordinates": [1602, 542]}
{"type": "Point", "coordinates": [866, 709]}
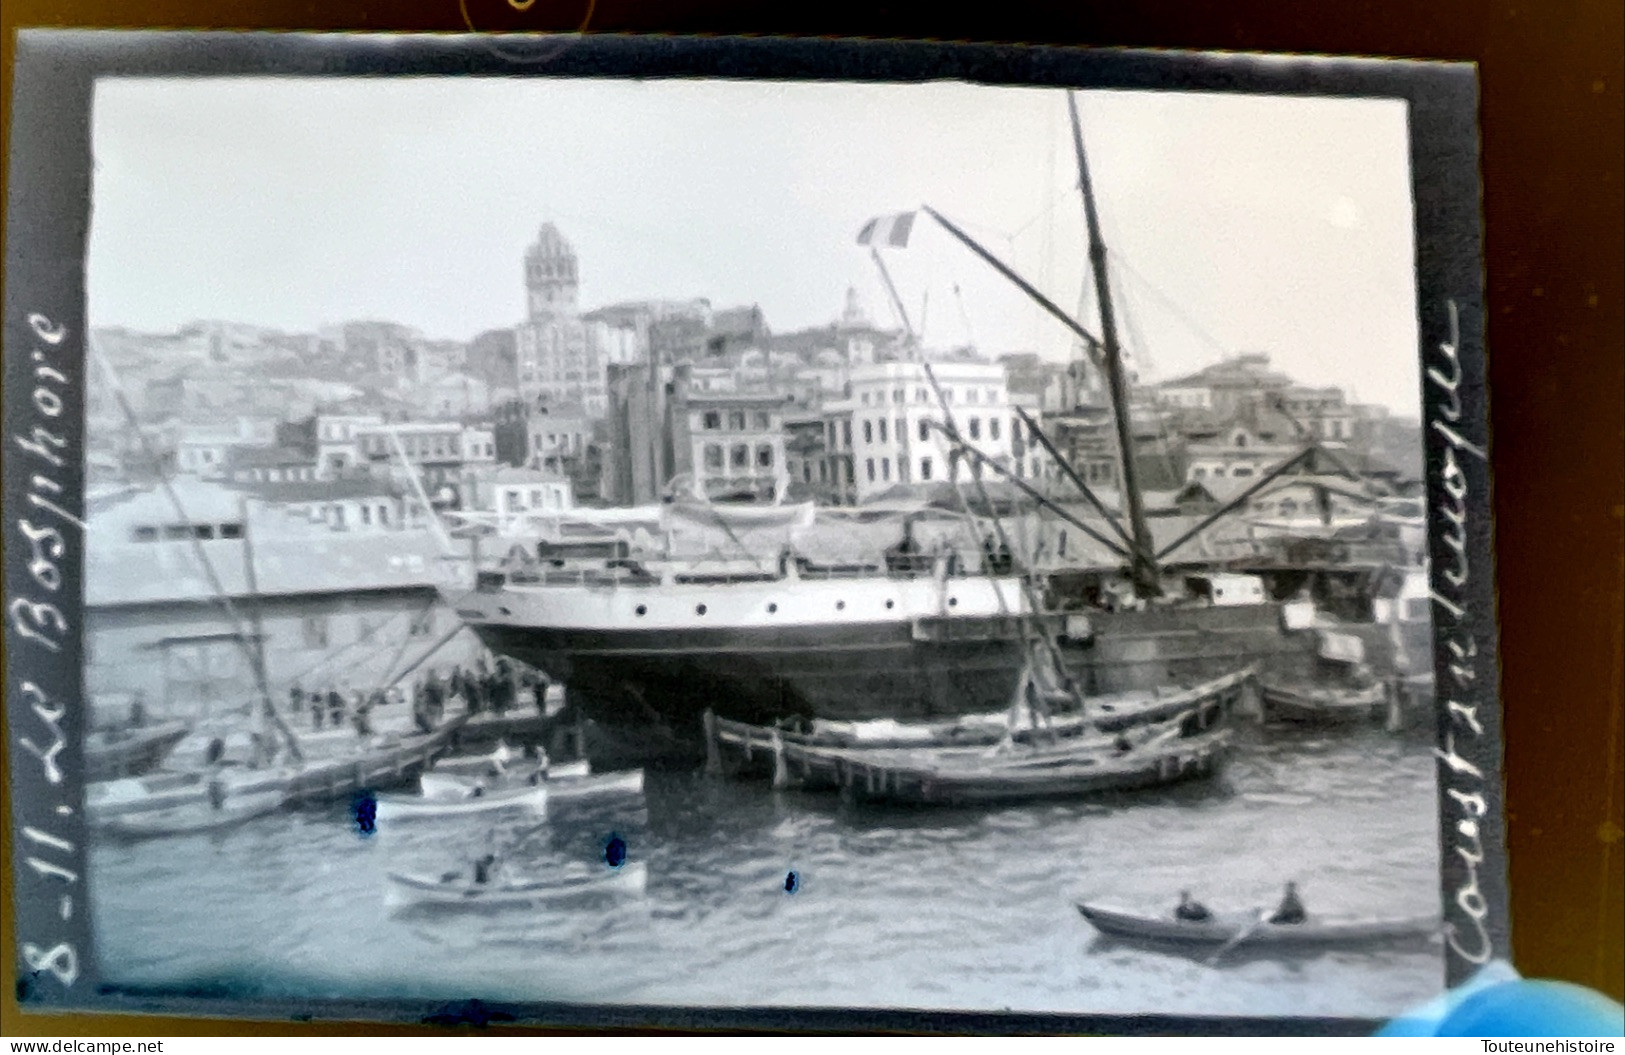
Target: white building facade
{"type": "Point", "coordinates": [896, 413]}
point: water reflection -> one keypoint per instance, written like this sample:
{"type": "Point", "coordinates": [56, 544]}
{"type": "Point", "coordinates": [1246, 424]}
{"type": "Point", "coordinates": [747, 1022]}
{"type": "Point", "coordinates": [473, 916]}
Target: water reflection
{"type": "Point", "coordinates": [901, 907]}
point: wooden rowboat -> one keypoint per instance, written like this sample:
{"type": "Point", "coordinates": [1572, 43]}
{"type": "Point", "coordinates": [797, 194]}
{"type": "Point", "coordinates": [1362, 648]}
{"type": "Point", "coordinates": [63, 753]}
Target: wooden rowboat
{"type": "Point", "coordinates": [740, 747]}
{"type": "Point", "coordinates": [625, 782]}
{"type": "Point", "coordinates": [955, 778]}
{"type": "Point", "coordinates": [459, 892]}
{"type": "Point", "coordinates": [194, 817]}
{"type": "Point", "coordinates": [1108, 713]}
{"type": "Point", "coordinates": [475, 800]}
{"type": "Point", "coordinates": [111, 754]}
{"type": "Point", "coordinates": [105, 799]}
{"type": "Point", "coordinates": [569, 781]}
{"type": "Point", "coordinates": [1223, 929]}
{"type": "Point", "coordinates": [1323, 704]}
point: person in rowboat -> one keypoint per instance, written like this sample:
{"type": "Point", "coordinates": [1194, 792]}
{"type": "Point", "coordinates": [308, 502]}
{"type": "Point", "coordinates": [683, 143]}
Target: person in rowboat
{"type": "Point", "coordinates": [1191, 911]}
{"type": "Point", "coordinates": [1291, 908]}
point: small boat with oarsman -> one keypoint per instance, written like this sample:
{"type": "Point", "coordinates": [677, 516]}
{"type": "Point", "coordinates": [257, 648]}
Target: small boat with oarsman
{"type": "Point", "coordinates": [568, 780]}
{"type": "Point", "coordinates": [481, 890]}
{"type": "Point", "coordinates": [461, 801]}
{"type": "Point", "coordinates": [1227, 931]}
{"type": "Point", "coordinates": [219, 810]}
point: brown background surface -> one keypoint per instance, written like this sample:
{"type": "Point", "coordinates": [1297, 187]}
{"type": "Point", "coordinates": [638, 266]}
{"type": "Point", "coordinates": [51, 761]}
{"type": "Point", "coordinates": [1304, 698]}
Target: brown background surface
{"type": "Point", "coordinates": [1552, 75]}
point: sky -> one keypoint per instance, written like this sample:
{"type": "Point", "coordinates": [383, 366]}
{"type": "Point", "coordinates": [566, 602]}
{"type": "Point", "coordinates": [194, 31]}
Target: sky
{"type": "Point", "coordinates": [1234, 223]}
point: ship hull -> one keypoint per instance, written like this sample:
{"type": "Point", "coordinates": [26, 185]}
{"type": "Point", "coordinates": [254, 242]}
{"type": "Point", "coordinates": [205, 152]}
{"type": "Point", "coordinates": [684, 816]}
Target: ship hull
{"type": "Point", "coordinates": [644, 692]}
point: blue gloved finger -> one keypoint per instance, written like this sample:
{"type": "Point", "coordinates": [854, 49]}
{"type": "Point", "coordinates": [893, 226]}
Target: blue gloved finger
{"type": "Point", "coordinates": [1424, 1021]}
{"type": "Point", "coordinates": [1535, 1009]}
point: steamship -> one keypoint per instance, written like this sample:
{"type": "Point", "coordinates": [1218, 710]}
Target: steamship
{"type": "Point", "coordinates": [647, 644]}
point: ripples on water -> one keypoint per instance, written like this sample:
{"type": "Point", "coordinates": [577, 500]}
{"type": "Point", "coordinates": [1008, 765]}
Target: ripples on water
{"type": "Point", "coordinates": [920, 908]}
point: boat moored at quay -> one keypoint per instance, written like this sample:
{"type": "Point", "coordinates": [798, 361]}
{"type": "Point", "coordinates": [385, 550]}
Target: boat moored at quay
{"type": "Point", "coordinates": [910, 629]}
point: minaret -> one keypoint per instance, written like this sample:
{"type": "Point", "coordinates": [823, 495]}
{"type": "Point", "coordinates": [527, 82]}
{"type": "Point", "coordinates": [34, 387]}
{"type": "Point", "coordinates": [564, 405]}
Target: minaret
{"type": "Point", "coordinates": [853, 317]}
{"type": "Point", "coordinates": [551, 277]}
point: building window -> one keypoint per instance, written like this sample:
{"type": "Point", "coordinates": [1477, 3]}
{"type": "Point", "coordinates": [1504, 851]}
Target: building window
{"type": "Point", "coordinates": [868, 431]}
{"type": "Point", "coordinates": [383, 515]}
{"type": "Point", "coordinates": [1241, 471]}
{"type": "Point", "coordinates": [764, 420]}
{"type": "Point", "coordinates": [882, 430]}
{"type": "Point", "coordinates": [975, 428]}
{"type": "Point", "coordinates": [536, 498]}
{"type": "Point", "coordinates": [846, 434]}
{"type": "Point", "coordinates": [764, 456]}
{"type": "Point", "coordinates": [739, 457]}
{"type": "Point", "coordinates": [866, 399]}
{"type": "Point", "coordinates": [736, 420]}
{"type": "Point", "coordinates": [713, 456]}
{"type": "Point", "coordinates": [925, 468]}
{"type": "Point", "coordinates": [925, 429]}
{"type": "Point", "coordinates": [1198, 472]}
{"type": "Point", "coordinates": [885, 468]}
{"type": "Point", "coordinates": [713, 419]}
{"type": "Point", "coordinates": [871, 467]}
{"type": "Point", "coordinates": [921, 396]}
{"type": "Point", "coordinates": [992, 428]}
{"type": "Point", "coordinates": [366, 514]}
{"type": "Point", "coordinates": [314, 628]}
{"type": "Point", "coordinates": [514, 498]}
{"type": "Point", "coordinates": [897, 395]}
{"type": "Point", "coordinates": [902, 429]}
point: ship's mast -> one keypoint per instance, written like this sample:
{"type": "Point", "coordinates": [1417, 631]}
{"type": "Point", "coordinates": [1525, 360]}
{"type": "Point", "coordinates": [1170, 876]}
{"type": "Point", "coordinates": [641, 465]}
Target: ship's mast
{"type": "Point", "coordinates": [1142, 558]}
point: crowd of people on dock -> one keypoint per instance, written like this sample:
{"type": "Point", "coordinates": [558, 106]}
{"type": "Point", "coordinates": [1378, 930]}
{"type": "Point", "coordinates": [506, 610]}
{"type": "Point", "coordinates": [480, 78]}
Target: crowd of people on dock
{"type": "Point", "coordinates": [486, 688]}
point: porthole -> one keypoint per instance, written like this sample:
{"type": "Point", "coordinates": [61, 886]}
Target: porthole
{"type": "Point", "coordinates": [772, 608]}
{"type": "Point", "coordinates": [699, 609]}
{"type": "Point", "coordinates": [642, 609]}
{"type": "Point", "coordinates": [953, 602]}
{"type": "Point", "coordinates": [839, 605]}
{"type": "Point", "coordinates": [891, 604]}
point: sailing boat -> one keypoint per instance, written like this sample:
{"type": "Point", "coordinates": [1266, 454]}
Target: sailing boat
{"type": "Point", "coordinates": [648, 655]}
{"type": "Point", "coordinates": [217, 794]}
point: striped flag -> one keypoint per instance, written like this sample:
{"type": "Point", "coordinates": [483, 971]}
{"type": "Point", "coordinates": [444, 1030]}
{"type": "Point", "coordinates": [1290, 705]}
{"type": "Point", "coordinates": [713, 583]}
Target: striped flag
{"type": "Point", "coordinates": [887, 230]}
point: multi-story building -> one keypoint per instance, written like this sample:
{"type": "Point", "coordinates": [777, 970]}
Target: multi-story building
{"type": "Point", "coordinates": [559, 438]}
{"type": "Point", "coordinates": [205, 450]}
{"type": "Point", "coordinates": [662, 427]}
{"type": "Point", "coordinates": [308, 578]}
{"type": "Point", "coordinates": [439, 452]}
{"type": "Point", "coordinates": [895, 413]}
{"type": "Point", "coordinates": [837, 415]}
{"type": "Point", "coordinates": [733, 441]}
{"type": "Point", "coordinates": [556, 362]}
{"type": "Point", "coordinates": [513, 494]}
{"type": "Point", "coordinates": [806, 455]}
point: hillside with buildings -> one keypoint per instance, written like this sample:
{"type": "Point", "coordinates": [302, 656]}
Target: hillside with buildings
{"type": "Point", "coordinates": [610, 406]}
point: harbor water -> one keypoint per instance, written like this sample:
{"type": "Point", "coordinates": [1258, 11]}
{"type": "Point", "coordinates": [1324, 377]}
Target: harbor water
{"type": "Point", "coordinates": [910, 908]}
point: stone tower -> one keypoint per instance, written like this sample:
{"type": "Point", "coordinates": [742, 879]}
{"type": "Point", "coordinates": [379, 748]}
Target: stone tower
{"type": "Point", "coordinates": [552, 280]}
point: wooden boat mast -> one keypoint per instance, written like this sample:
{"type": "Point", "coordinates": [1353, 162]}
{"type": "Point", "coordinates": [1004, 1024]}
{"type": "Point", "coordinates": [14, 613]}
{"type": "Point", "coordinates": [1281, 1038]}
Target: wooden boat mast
{"type": "Point", "coordinates": [202, 555]}
{"type": "Point", "coordinates": [1142, 556]}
